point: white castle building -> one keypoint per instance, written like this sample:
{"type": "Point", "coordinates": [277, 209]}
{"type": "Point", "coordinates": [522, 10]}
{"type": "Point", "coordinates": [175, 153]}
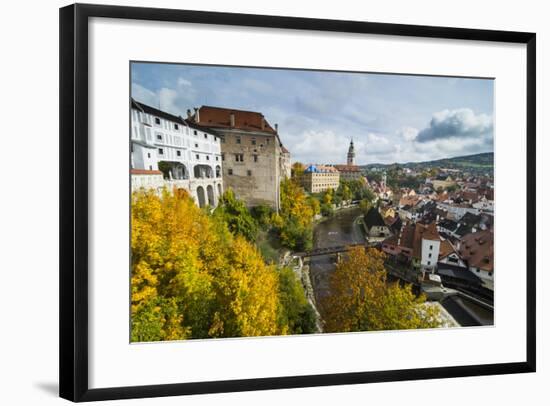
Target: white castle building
{"type": "Point", "coordinates": [168, 151]}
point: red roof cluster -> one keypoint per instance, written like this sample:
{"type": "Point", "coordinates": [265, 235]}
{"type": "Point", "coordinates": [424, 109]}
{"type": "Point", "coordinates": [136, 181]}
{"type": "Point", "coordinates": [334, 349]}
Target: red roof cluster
{"type": "Point", "coordinates": [478, 250]}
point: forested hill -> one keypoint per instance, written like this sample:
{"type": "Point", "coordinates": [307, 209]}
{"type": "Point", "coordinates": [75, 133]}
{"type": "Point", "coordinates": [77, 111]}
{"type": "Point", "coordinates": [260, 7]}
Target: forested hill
{"type": "Point", "coordinates": [477, 161]}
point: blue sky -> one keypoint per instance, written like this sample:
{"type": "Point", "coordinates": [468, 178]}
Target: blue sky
{"type": "Point", "coordinates": [391, 118]}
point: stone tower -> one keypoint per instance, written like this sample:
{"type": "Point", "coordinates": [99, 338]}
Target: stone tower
{"type": "Point", "coordinates": [351, 154]}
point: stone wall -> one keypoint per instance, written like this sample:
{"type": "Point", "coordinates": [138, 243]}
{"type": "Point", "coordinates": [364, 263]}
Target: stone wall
{"type": "Point", "coordinates": [251, 167]}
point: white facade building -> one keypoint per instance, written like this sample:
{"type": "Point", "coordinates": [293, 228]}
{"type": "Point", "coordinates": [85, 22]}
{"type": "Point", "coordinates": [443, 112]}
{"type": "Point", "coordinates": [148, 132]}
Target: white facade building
{"type": "Point", "coordinates": [187, 156]}
{"type": "Point", "coordinates": [429, 253]}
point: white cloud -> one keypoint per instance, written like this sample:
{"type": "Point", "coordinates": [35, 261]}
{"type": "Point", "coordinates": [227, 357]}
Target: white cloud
{"type": "Point", "coordinates": [144, 95]}
{"type": "Point", "coordinates": [318, 147]}
{"type": "Point", "coordinates": [175, 101]}
{"type": "Point", "coordinates": [455, 124]}
{"type": "Point", "coordinates": [407, 133]}
{"type": "Point", "coordinates": [184, 82]}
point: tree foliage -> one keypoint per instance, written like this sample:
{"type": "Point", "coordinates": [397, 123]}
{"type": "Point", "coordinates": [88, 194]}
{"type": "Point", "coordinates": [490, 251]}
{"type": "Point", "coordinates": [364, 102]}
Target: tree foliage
{"type": "Point", "coordinates": [297, 170]}
{"type": "Point", "coordinates": [262, 215]}
{"type": "Point", "coordinates": [192, 278]}
{"type": "Point", "coordinates": [294, 221]}
{"type": "Point", "coordinates": [362, 298]}
{"type": "Point", "coordinates": [296, 312]}
{"type": "Point", "coordinates": [235, 213]}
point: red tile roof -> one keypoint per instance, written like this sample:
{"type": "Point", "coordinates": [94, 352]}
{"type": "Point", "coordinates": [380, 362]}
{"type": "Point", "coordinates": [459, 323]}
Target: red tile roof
{"type": "Point", "coordinates": [347, 168]}
{"type": "Point", "coordinates": [445, 249]}
{"type": "Point", "coordinates": [422, 231]}
{"type": "Point", "coordinates": [478, 250]}
{"type": "Point", "coordinates": [220, 117]}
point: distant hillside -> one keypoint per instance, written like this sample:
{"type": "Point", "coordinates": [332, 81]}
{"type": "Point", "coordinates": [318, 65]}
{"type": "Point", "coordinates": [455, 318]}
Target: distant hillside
{"type": "Point", "coordinates": [484, 161]}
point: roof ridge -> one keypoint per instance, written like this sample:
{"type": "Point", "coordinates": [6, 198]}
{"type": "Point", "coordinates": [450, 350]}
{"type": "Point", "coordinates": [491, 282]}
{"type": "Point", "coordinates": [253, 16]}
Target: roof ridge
{"type": "Point", "coordinates": [231, 109]}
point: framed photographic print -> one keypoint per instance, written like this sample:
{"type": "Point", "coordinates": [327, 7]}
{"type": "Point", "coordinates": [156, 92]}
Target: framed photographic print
{"type": "Point", "coordinates": [257, 202]}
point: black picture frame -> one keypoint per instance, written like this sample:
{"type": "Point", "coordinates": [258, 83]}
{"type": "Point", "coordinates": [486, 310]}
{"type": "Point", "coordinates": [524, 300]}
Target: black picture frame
{"type": "Point", "coordinates": [74, 195]}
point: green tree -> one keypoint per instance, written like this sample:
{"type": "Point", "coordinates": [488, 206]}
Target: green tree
{"type": "Point", "coordinates": [262, 215]}
{"type": "Point", "coordinates": [327, 210]}
{"type": "Point", "coordinates": [297, 170]}
{"type": "Point", "coordinates": [328, 196]}
{"type": "Point", "coordinates": [365, 206]}
{"type": "Point", "coordinates": [294, 221]}
{"type": "Point", "coordinates": [235, 214]}
{"type": "Point", "coordinates": [296, 312]}
{"type": "Point", "coordinates": [346, 193]}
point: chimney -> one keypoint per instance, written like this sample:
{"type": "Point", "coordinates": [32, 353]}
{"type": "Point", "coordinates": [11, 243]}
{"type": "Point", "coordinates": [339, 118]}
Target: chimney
{"type": "Point", "coordinates": [232, 119]}
{"type": "Point", "coordinates": [189, 113]}
{"type": "Point", "coordinates": [276, 128]}
{"type": "Point", "coordinates": [197, 115]}
{"type": "Point", "coordinates": [263, 123]}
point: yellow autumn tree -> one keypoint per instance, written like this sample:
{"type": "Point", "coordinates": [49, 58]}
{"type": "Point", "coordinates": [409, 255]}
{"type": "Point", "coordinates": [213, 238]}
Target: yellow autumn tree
{"type": "Point", "coordinates": [295, 218]}
{"type": "Point", "coordinates": [361, 298]}
{"type": "Point", "coordinates": [191, 278]}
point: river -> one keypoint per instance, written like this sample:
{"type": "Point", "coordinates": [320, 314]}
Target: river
{"type": "Point", "coordinates": [341, 229]}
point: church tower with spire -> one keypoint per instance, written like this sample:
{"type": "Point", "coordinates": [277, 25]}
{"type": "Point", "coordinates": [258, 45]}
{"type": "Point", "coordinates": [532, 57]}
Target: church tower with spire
{"type": "Point", "coordinates": [351, 154]}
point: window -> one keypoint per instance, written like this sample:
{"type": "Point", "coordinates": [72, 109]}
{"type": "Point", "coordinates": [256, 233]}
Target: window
{"type": "Point", "coordinates": [429, 262]}
{"type": "Point", "coordinates": [161, 151]}
{"type": "Point", "coordinates": [255, 158]}
{"type": "Point", "coordinates": [217, 159]}
{"type": "Point", "coordinates": [178, 153]}
{"type": "Point", "coordinates": [205, 136]}
{"type": "Point", "coordinates": [197, 156]}
{"type": "Point", "coordinates": [431, 247]}
{"type": "Point", "coordinates": [195, 132]}
{"type": "Point", "coordinates": [157, 120]}
{"type": "Point", "coordinates": [230, 171]}
{"type": "Point", "coordinates": [159, 137]}
{"type": "Point", "coordinates": [208, 157]}
{"type": "Point", "coordinates": [239, 158]}
{"type": "Point", "coordinates": [249, 173]}
{"type": "Point", "coordinates": [490, 274]}
{"type": "Point", "coordinates": [148, 155]}
{"type": "Point", "coordinates": [196, 145]}
{"type": "Point", "coordinates": [223, 156]}
{"type": "Point", "coordinates": [429, 256]}
{"type": "Point", "coordinates": [238, 140]}
{"type": "Point", "coordinates": [253, 141]}
{"type": "Point", "coordinates": [176, 127]}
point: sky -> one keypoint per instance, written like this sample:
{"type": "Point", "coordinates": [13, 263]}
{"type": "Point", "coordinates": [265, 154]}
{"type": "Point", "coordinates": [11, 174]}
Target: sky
{"type": "Point", "coordinates": [391, 118]}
